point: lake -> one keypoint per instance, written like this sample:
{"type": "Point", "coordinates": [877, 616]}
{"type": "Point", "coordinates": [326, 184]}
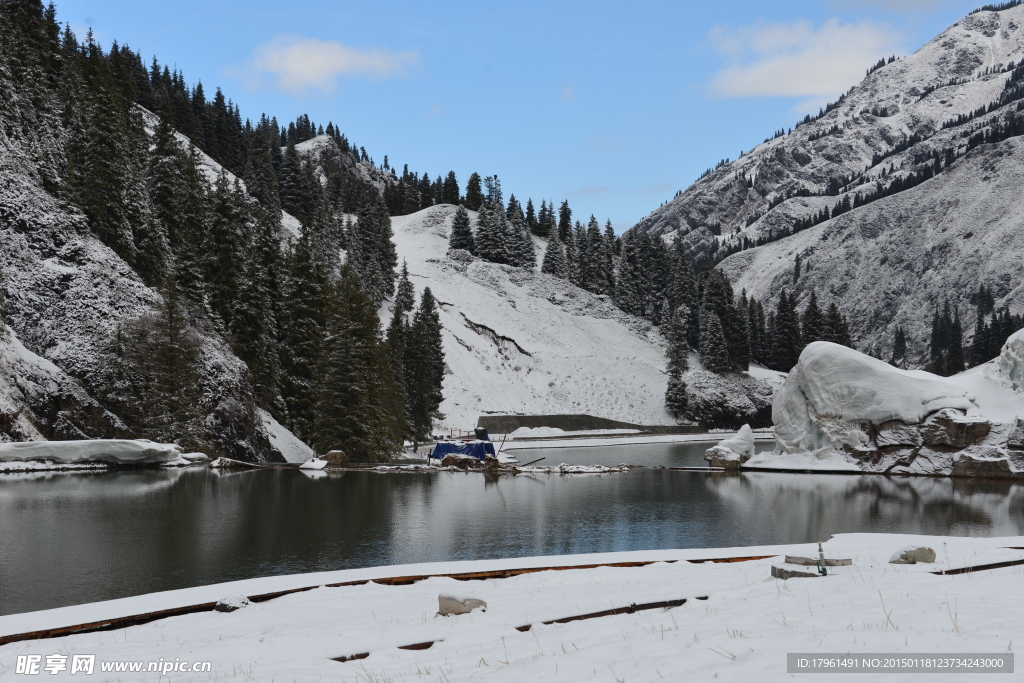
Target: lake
{"type": "Point", "coordinates": [73, 538]}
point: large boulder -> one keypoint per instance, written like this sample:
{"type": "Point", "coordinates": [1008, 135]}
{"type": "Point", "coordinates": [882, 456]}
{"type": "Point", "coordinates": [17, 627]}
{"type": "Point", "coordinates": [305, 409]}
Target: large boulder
{"type": "Point", "coordinates": [834, 390]}
{"type": "Point", "coordinates": [732, 452]}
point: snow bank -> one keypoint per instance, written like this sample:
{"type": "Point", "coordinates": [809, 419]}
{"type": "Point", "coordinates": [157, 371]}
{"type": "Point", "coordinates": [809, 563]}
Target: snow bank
{"type": "Point", "coordinates": [289, 445]}
{"type": "Point", "coordinates": [736, 624]}
{"type": "Point", "coordinates": [841, 410]}
{"type": "Point", "coordinates": [119, 451]}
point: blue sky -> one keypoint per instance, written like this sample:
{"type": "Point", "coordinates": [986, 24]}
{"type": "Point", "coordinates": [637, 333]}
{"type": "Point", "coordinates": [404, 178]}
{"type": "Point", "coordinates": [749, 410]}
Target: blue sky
{"type": "Point", "coordinates": [613, 105]}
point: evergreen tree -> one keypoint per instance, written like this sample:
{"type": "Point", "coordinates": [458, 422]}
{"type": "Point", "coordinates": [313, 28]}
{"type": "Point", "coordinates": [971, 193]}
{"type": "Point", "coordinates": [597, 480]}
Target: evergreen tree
{"type": "Point", "coordinates": [554, 259]}
{"type": "Point", "coordinates": [813, 322]}
{"type": "Point", "coordinates": [493, 232]}
{"type": "Point", "coordinates": [254, 325]}
{"type": "Point", "coordinates": [786, 342]}
{"type": "Point", "coordinates": [450, 190]}
{"type": "Point", "coordinates": [595, 279]}
{"type": "Point", "coordinates": [531, 216]}
{"type": "Point", "coordinates": [837, 329]}
{"type": "Point", "coordinates": [155, 381]}
{"type": "Point", "coordinates": [629, 279]}
{"type": "Point", "coordinates": [425, 367]}
{"type": "Point", "coordinates": [304, 322]}
{"type": "Point", "coordinates": [228, 241]}
{"type": "Point", "coordinates": [474, 193]}
{"type": "Point", "coordinates": [357, 407]}
{"type": "Point", "coordinates": [954, 362]}
{"type": "Point", "coordinates": [572, 258]}
{"type": "Point", "coordinates": [899, 345]}
{"type": "Point", "coordinates": [564, 221]}
{"type": "Point", "coordinates": [714, 355]}
{"type": "Point", "coordinates": [405, 296]}
{"type": "Point", "coordinates": [678, 363]}
{"type": "Point", "coordinates": [796, 269]}
{"type": "Point", "coordinates": [608, 258]}
{"type": "Point", "coordinates": [462, 232]}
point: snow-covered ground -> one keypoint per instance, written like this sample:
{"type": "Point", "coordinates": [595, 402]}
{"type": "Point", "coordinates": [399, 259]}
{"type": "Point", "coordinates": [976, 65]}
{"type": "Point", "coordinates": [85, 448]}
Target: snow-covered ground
{"type": "Point", "coordinates": [519, 342]}
{"type": "Point", "coordinates": [620, 440]}
{"type": "Point", "coordinates": [529, 343]}
{"type": "Point", "coordinates": [737, 623]}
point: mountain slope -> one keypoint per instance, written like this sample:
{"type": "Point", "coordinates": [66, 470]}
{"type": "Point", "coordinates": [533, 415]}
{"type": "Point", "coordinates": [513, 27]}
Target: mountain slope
{"type": "Point", "coordinates": [530, 343]}
{"type": "Point", "coordinates": [909, 96]}
{"type": "Point", "coordinates": [891, 261]}
{"type": "Point", "coordinates": [66, 294]}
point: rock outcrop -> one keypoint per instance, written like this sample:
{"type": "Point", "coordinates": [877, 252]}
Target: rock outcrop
{"type": "Point", "coordinates": [844, 411]}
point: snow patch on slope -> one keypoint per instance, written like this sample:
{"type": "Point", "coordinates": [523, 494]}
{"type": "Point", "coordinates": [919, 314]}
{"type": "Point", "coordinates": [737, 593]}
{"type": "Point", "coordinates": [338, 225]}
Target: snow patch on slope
{"type": "Point", "coordinates": [520, 342]}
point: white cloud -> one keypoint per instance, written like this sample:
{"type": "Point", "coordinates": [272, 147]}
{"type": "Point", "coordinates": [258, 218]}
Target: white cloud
{"type": "Point", "coordinates": [799, 59]}
{"type": "Point", "coordinates": [298, 64]}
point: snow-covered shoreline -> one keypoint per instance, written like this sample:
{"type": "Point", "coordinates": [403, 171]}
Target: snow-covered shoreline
{"type": "Point", "coordinates": [737, 623]}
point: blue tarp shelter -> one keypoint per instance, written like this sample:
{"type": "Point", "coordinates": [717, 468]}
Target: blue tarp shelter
{"type": "Point", "coordinates": [476, 449]}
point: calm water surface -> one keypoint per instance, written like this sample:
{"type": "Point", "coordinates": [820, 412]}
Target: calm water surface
{"type": "Point", "coordinates": [73, 538]}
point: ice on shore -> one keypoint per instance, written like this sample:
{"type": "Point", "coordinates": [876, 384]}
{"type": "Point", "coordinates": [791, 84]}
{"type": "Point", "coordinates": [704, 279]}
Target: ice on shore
{"type": "Point", "coordinates": [116, 451]}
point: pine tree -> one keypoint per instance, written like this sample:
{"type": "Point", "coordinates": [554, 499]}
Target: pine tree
{"type": "Point", "coordinates": [462, 232]}
{"type": "Point", "coordinates": [608, 258]}
{"type": "Point", "coordinates": [554, 259]}
{"type": "Point", "coordinates": [676, 399]}
{"type": "Point", "coordinates": [899, 345]}
{"type": "Point", "coordinates": [796, 269]}
{"type": "Point", "coordinates": [357, 405]}
{"type": "Point", "coordinates": [254, 325]}
{"type": "Point", "coordinates": [954, 362]}
{"type": "Point", "coordinates": [474, 193]}
{"type": "Point", "coordinates": [228, 241]}
{"type": "Point", "coordinates": [837, 328]}
{"type": "Point", "coordinates": [405, 296]}
{"type": "Point", "coordinates": [714, 355]}
{"type": "Point", "coordinates": [155, 384]}
{"type": "Point", "coordinates": [813, 322]}
{"type": "Point", "coordinates": [493, 232]}
{"type": "Point", "coordinates": [592, 258]}
{"type": "Point", "coordinates": [786, 342]}
{"type": "Point", "coordinates": [564, 221]}
{"type": "Point", "coordinates": [304, 322]}
{"type": "Point", "coordinates": [450, 189]}
{"type": "Point", "coordinates": [572, 258]}
{"type": "Point", "coordinates": [629, 280]}
{"type": "Point", "coordinates": [425, 390]}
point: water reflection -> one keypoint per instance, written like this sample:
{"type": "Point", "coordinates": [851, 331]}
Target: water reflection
{"type": "Point", "coordinates": [68, 539]}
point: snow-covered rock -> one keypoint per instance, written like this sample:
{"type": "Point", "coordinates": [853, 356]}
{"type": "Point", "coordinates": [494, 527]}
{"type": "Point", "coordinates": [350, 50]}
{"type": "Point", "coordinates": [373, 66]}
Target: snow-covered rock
{"type": "Point", "coordinates": [40, 401]}
{"type": "Point", "coordinates": [730, 453]}
{"type": "Point", "coordinates": [841, 410]}
{"type": "Point", "coordinates": [912, 554]}
{"type": "Point", "coordinates": [118, 451]}
{"type": "Point", "coordinates": [231, 603]}
{"type": "Point", "coordinates": [833, 389]}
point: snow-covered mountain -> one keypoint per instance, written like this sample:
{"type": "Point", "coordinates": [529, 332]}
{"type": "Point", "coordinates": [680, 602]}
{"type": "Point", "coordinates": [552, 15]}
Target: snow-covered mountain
{"type": "Point", "coordinates": [66, 293]}
{"type": "Point", "coordinates": [889, 262]}
{"type": "Point", "coordinates": [530, 343]}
